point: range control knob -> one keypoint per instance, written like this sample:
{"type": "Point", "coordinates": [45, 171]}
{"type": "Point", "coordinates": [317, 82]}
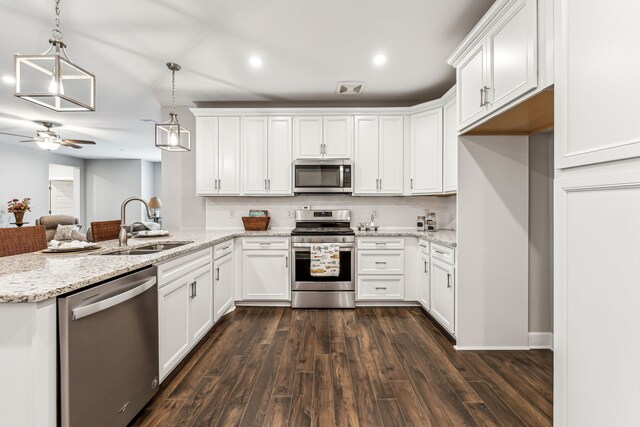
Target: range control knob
{"type": "Point", "coordinates": [344, 239]}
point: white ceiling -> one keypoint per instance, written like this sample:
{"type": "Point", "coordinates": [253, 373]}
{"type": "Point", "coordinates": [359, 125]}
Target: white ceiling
{"type": "Point", "coordinates": [306, 46]}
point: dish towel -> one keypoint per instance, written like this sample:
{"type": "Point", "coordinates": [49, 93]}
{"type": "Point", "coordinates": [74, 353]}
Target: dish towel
{"type": "Point", "coordinates": [325, 260]}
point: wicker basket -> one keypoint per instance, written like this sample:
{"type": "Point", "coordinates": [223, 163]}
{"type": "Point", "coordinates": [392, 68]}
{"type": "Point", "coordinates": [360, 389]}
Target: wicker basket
{"type": "Point", "coordinates": [258, 223]}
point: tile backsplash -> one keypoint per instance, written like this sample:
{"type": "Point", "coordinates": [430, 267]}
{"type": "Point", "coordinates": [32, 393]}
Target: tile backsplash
{"type": "Point", "coordinates": [393, 212]}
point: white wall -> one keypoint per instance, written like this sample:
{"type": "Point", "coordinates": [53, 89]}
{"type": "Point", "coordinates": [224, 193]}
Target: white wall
{"type": "Point", "coordinates": [541, 232]}
{"type": "Point", "coordinates": [24, 172]}
{"type": "Point", "coordinates": [157, 178]}
{"type": "Point", "coordinates": [393, 212]}
{"type": "Point", "coordinates": [493, 242]}
{"type": "Point", "coordinates": [108, 184]}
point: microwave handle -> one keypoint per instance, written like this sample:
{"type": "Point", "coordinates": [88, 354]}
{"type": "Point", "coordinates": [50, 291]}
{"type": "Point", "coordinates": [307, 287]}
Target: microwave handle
{"type": "Point", "coordinates": [341, 176]}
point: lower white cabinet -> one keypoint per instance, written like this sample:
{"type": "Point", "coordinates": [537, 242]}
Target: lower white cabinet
{"type": "Point", "coordinates": [185, 306]}
{"type": "Point", "coordinates": [378, 287]}
{"type": "Point", "coordinates": [223, 285]}
{"type": "Point", "coordinates": [266, 272]}
{"type": "Point", "coordinates": [443, 293]}
{"type": "Point", "coordinates": [424, 280]}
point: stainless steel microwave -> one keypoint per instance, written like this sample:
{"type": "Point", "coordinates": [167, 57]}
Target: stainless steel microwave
{"type": "Point", "coordinates": [322, 176]}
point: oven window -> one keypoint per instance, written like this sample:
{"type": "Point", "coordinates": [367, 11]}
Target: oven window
{"type": "Point", "coordinates": [303, 268]}
{"type": "Point", "coordinates": [317, 176]}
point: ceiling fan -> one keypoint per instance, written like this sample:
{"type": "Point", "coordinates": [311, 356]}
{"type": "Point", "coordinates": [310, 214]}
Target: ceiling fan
{"type": "Point", "coordinates": [50, 140]}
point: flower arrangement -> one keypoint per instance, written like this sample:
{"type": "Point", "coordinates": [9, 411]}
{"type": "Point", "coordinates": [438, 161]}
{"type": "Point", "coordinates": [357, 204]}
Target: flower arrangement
{"type": "Point", "coordinates": [18, 206]}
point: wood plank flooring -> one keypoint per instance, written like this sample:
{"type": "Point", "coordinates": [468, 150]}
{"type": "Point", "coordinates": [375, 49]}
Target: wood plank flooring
{"type": "Point", "coordinates": [362, 367]}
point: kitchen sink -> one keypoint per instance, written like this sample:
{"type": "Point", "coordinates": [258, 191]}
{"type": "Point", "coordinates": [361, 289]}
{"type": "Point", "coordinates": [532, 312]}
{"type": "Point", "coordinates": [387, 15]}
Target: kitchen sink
{"type": "Point", "coordinates": [147, 249]}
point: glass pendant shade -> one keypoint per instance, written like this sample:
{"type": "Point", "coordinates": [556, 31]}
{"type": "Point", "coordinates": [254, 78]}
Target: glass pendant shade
{"type": "Point", "coordinates": [53, 81]}
{"type": "Point", "coordinates": [172, 136]}
{"type": "Point", "coordinates": [47, 144]}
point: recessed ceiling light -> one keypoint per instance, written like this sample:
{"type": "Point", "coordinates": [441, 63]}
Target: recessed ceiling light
{"type": "Point", "coordinates": [8, 79]}
{"type": "Point", "coordinates": [379, 59]}
{"type": "Point", "coordinates": [255, 62]}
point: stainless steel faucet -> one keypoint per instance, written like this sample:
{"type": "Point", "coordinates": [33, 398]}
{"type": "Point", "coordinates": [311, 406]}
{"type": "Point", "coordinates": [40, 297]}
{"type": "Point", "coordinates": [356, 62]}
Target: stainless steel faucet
{"type": "Point", "coordinates": [124, 236]}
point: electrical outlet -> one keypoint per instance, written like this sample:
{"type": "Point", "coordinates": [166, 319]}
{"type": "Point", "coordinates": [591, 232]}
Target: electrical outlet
{"type": "Point", "coordinates": [291, 213]}
{"type": "Point", "coordinates": [232, 213]}
{"type": "Point", "coordinates": [374, 213]}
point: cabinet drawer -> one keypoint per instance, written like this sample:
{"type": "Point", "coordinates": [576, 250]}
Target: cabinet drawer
{"type": "Point", "coordinates": [380, 262]}
{"type": "Point", "coordinates": [380, 287]}
{"type": "Point", "coordinates": [249, 243]}
{"type": "Point", "coordinates": [423, 247]}
{"type": "Point", "coordinates": [443, 253]}
{"type": "Point", "coordinates": [176, 268]}
{"type": "Point", "coordinates": [380, 243]}
{"type": "Point", "coordinates": [222, 249]}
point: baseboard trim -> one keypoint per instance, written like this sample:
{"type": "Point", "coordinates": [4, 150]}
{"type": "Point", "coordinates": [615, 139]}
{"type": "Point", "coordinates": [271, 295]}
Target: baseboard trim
{"type": "Point", "coordinates": [387, 304]}
{"type": "Point", "coordinates": [541, 340]}
{"type": "Point", "coordinates": [263, 303]}
{"type": "Point", "coordinates": [489, 347]}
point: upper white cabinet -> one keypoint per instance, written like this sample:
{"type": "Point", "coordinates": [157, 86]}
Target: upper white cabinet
{"type": "Point", "coordinates": [267, 162]}
{"type": "Point", "coordinates": [426, 152]}
{"type": "Point", "coordinates": [450, 146]}
{"type": "Point", "coordinates": [497, 63]}
{"type": "Point", "coordinates": [378, 154]}
{"type": "Point", "coordinates": [218, 156]}
{"type": "Point", "coordinates": [318, 137]}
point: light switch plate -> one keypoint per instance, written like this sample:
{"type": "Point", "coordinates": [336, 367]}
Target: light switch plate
{"type": "Point", "coordinates": [291, 213]}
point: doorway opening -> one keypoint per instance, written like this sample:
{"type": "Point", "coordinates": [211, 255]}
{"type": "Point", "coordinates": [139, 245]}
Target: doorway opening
{"type": "Point", "coordinates": [64, 190]}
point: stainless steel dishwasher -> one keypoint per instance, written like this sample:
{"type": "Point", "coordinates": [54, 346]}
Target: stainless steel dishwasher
{"type": "Point", "coordinates": [108, 350]}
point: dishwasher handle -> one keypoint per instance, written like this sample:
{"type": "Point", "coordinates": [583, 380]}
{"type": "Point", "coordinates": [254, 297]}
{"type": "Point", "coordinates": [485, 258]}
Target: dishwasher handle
{"type": "Point", "coordinates": [88, 310]}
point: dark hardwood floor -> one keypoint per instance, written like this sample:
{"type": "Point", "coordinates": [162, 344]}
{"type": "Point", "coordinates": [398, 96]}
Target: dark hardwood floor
{"type": "Point", "coordinates": [362, 367]}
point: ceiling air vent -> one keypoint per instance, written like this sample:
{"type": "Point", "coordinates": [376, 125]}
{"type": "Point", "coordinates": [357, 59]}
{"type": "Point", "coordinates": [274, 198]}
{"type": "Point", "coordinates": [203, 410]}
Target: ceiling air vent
{"type": "Point", "coordinates": [350, 88]}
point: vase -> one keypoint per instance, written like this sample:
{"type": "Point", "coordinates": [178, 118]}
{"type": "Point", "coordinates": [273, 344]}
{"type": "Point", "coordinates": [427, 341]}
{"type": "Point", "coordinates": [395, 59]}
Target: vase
{"type": "Point", "coordinates": [19, 217]}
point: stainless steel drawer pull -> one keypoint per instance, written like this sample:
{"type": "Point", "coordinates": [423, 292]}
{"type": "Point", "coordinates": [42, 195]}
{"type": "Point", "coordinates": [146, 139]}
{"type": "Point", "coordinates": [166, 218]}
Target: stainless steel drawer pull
{"type": "Point", "coordinates": [225, 248]}
{"type": "Point", "coordinates": [423, 246]}
{"type": "Point", "coordinates": [265, 243]}
{"type": "Point", "coordinates": [381, 262]}
{"type": "Point", "coordinates": [380, 288]}
{"type": "Point", "coordinates": [88, 310]}
{"type": "Point", "coordinates": [380, 243]}
{"type": "Point", "coordinates": [439, 252]}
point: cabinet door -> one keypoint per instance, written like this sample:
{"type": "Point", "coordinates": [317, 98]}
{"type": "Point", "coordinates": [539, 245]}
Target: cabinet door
{"type": "Point", "coordinates": [450, 147]}
{"type": "Point", "coordinates": [200, 303]}
{"type": "Point", "coordinates": [470, 82]}
{"type": "Point", "coordinates": [366, 155]}
{"type": "Point", "coordinates": [380, 287]}
{"type": "Point", "coordinates": [337, 137]}
{"type": "Point", "coordinates": [307, 137]}
{"type": "Point", "coordinates": [280, 162]}
{"type": "Point", "coordinates": [424, 283]}
{"type": "Point", "coordinates": [229, 155]}
{"type": "Point", "coordinates": [206, 156]}
{"type": "Point", "coordinates": [426, 152]}
{"type": "Point", "coordinates": [173, 324]}
{"type": "Point", "coordinates": [265, 275]}
{"type": "Point", "coordinates": [443, 294]}
{"type": "Point", "coordinates": [223, 286]}
{"type": "Point", "coordinates": [255, 155]}
{"type": "Point", "coordinates": [391, 154]}
{"type": "Point", "coordinates": [512, 45]}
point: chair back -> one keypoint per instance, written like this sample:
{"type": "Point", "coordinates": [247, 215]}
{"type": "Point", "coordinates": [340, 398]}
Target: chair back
{"type": "Point", "coordinates": [104, 230]}
{"type": "Point", "coordinates": [51, 223]}
{"type": "Point", "coordinates": [15, 241]}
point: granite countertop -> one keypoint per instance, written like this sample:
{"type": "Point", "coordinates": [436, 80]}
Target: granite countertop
{"type": "Point", "coordinates": [37, 277]}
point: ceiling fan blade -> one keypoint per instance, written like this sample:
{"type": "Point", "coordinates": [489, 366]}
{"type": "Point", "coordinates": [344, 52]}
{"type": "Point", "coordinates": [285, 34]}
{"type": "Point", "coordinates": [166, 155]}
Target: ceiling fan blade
{"type": "Point", "coordinates": [79, 141]}
{"type": "Point", "coordinates": [29, 140]}
{"type": "Point", "coordinates": [68, 144]}
{"type": "Point", "coordinates": [15, 134]}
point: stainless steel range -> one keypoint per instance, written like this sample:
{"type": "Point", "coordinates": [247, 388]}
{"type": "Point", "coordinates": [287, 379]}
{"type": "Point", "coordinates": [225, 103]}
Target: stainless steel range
{"type": "Point", "coordinates": [315, 227]}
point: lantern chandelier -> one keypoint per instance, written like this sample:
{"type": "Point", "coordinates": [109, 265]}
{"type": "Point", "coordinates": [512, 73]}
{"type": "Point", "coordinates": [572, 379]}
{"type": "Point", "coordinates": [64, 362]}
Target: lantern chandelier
{"type": "Point", "coordinates": [52, 79]}
{"type": "Point", "coordinates": [171, 135]}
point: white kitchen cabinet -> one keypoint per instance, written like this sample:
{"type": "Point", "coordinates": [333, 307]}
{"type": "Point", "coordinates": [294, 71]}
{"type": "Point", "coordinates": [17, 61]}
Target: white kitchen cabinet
{"type": "Point", "coordinates": [424, 280]}
{"type": "Point", "coordinates": [443, 293]}
{"type": "Point", "coordinates": [426, 152]}
{"type": "Point", "coordinates": [497, 63]}
{"type": "Point", "coordinates": [266, 147]}
{"type": "Point", "coordinates": [218, 156]}
{"type": "Point", "coordinates": [223, 285]}
{"type": "Point", "coordinates": [200, 303]}
{"type": "Point", "coordinates": [173, 324]}
{"type": "Point", "coordinates": [265, 275]}
{"type": "Point", "coordinates": [379, 154]}
{"type": "Point", "coordinates": [280, 169]}
{"type": "Point", "coordinates": [388, 288]}
{"type": "Point", "coordinates": [185, 306]}
{"type": "Point", "coordinates": [323, 137]}
{"type": "Point", "coordinates": [380, 262]}
{"type": "Point", "coordinates": [380, 268]}
{"type": "Point", "coordinates": [450, 146]}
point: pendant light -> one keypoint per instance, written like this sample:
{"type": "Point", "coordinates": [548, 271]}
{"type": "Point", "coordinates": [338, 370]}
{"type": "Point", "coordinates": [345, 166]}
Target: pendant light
{"type": "Point", "coordinates": [52, 79]}
{"type": "Point", "coordinates": [171, 135]}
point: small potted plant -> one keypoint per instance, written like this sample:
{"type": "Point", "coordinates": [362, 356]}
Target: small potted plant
{"type": "Point", "coordinates": [18, 208]}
